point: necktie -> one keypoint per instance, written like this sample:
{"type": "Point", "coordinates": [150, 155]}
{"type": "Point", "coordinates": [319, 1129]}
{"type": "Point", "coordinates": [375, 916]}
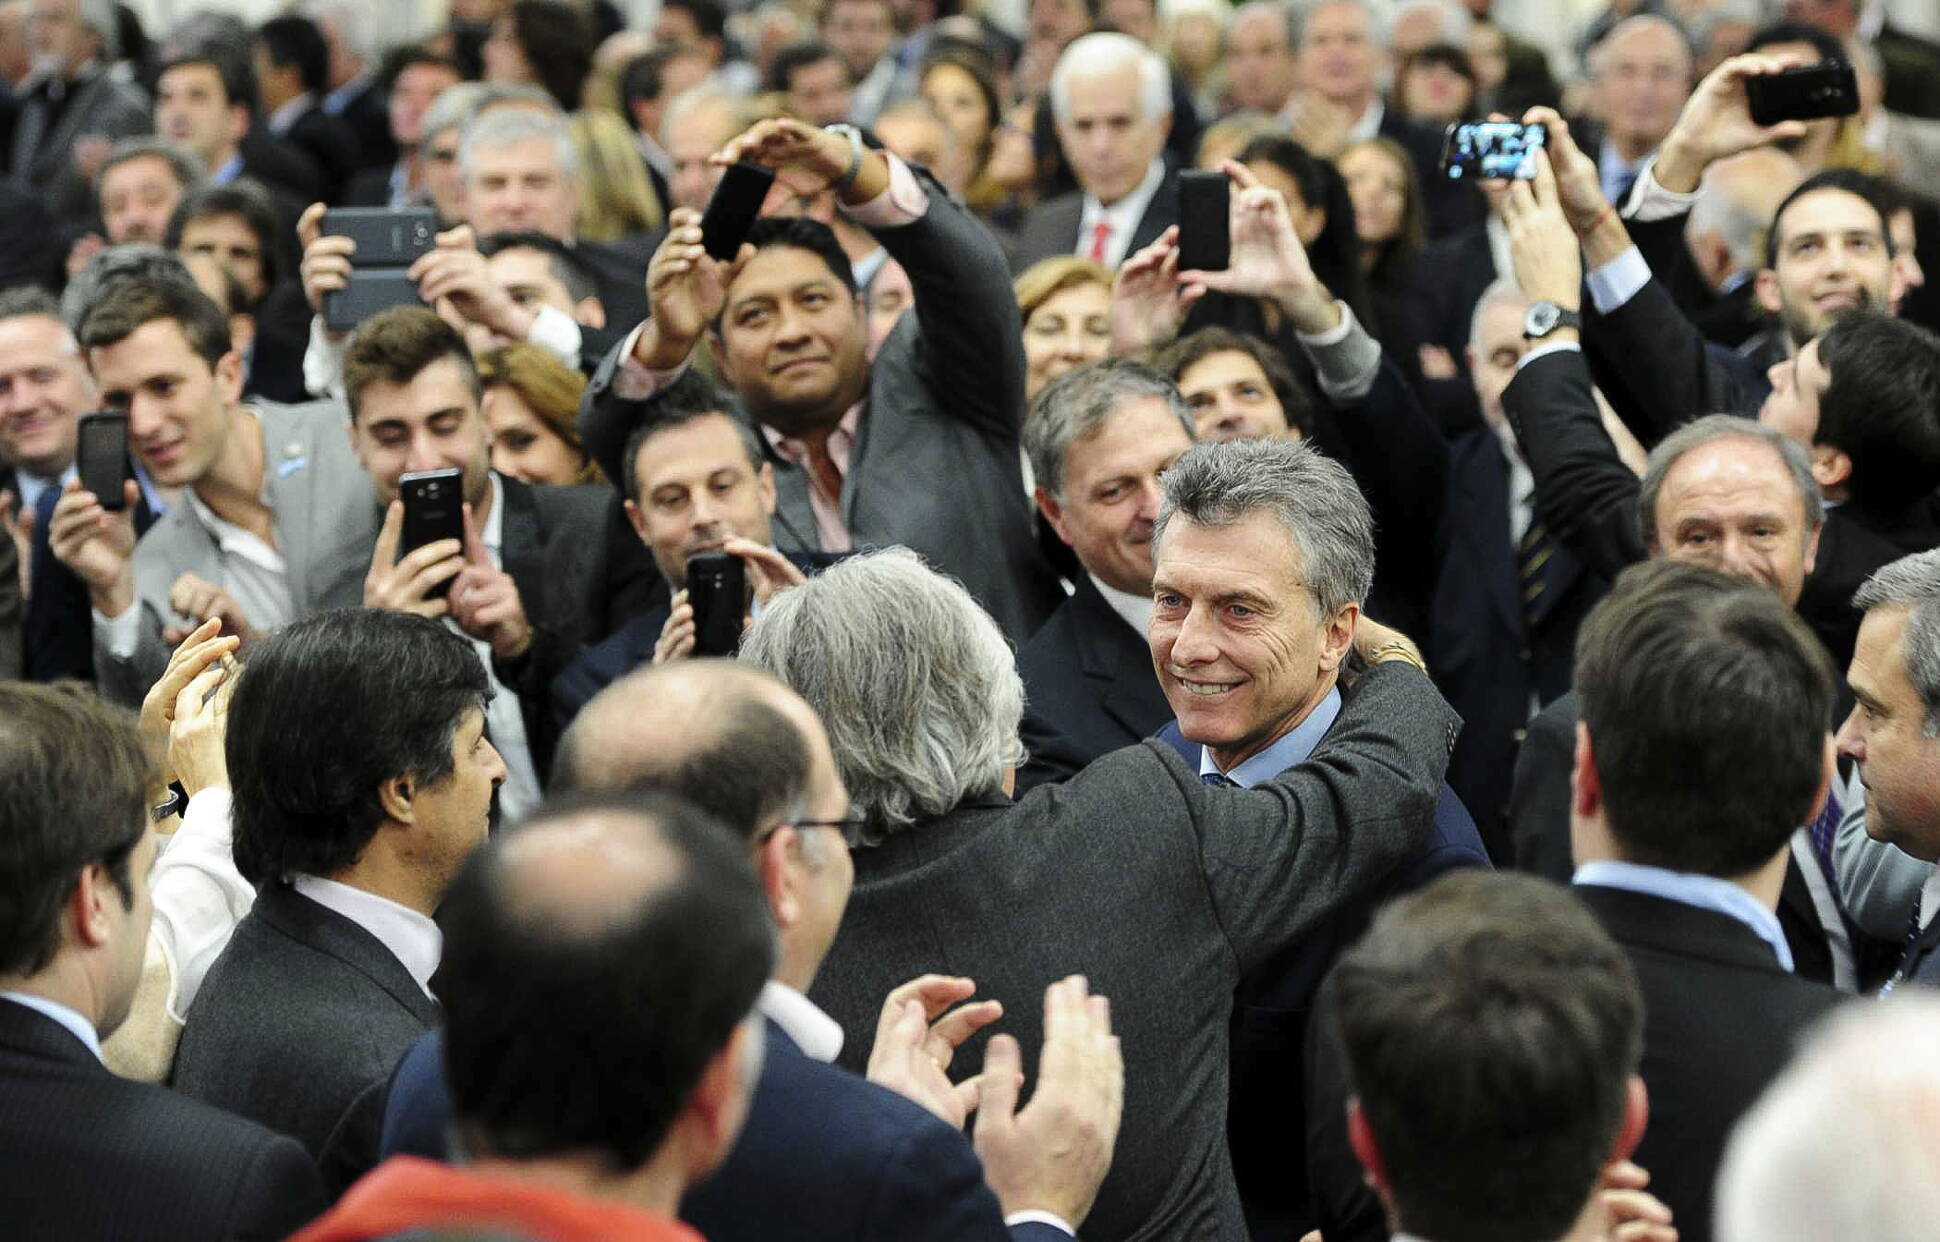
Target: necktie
{"type": "Point", "coordinates": [1532, 554]}
{"type": "Point", "coordinates": [1100, 234]}
{"type": "Point", "coordinates": [1822, 830]}
{"type": "Point", "coordinates": [1215, 779]}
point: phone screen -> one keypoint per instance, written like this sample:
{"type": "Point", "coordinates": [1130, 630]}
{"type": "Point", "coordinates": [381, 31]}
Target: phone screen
{"type": "Point", "coordinates": [101, 457]}
{"type": "Point", "coordinates": [1492, 151]}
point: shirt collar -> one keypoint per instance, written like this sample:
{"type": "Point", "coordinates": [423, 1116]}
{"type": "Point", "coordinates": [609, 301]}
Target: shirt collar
{"type": "Point", "coordinates": [279, 121]}
{"type": "Point", "coordinates": [413, 939]}
{"type": "Point", "coordinates": [1136, 609]}
{"type": "Point", "coordinates": [1370, 123]}
{"type": "Point", "coordinates": [1704, 892]}
{"type": "Point", "coordinates": [336, 101]}
{"type": "Point", "coordinates": [814, 1032]}
{"type": "Point", "coordinates": [230, 170]}
{"type": "Point", "coordinates": [843, 437]}
{"type": "Point", "coordinates": [78, 1026]}
{"type": "Point", "coordinates": [1291, 749]}
{"type": "Point", "coordinates": [1124, 214]}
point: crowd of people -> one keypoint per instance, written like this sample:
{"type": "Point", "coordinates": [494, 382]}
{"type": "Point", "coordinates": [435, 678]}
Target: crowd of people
{"type": "Point", "coordinates": [1427, 731]}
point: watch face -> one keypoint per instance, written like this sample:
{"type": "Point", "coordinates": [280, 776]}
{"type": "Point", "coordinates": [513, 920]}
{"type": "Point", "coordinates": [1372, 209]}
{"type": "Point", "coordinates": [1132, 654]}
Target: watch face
{"type": "Point", "coordinates": [1541, 319]}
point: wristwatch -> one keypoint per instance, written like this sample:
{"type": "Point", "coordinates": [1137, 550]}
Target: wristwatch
{"type": "Point", "coordinates": [856, 149]}
{"type": "Point", "coordinates": [1545, 317]}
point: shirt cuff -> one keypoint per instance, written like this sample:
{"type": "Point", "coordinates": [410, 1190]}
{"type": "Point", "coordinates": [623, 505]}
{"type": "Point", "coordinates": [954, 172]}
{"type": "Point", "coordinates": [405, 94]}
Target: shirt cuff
{"type": "Point", "coordinates": [555, 331]}
{"type": "Point", "coordinates": [119, 636]}
{"type": "Point", "coordinates": [1544, 351]}
{"type": "Point", "coordinates": [1650, 201]}
{"type": "Point", "coordinates": [1034, 1217]}
{"type": "Point", "coordinates": [1346, 359]}
{"type": "Point", "coordinates": [323, 363]}
{"type": "Point", "coordinates": [904, 202]}
{"type": "Point", "coordinates": [1616, 282]}
{"type": "Point", "coordinates": [633, 382]}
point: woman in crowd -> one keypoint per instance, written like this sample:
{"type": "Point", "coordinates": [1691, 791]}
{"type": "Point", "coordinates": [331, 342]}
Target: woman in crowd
{"type": "Point", "coordinates": [1436, 86]}
{"type": "Point", "coordinates": [532, 408]}
{"type": "Point", "coordinates": [542, 43]}
{"type": "Point", "coordinates": [616, 198]}
{"type": "Point", "coordinates": [1322, 213]}
{"type": "Point", "coordinates": [959, 83]}
{"type": "Point", "coordinates": [1067, 317]}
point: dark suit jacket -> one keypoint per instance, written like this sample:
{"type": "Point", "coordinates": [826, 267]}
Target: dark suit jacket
{"type": "Point", "coordinates": [56, 630]}
{"type": "Point", "coordinates": [1166, 894]}
{"type": "Point", "coordinates": [302, 1014]}
{"type": "Point", "coordinates": [368, 187]}
{"type": "Point", "coordinates": [97, 103]}
{"type": "Point", "coordinates": [1912, 66]}
{"type": "Point", "coordinates": [331, 146]}
{"type": "Point", "coordinates": [1449, 206]}
{"type": "Point", "coordinates": [1268, 1098]}
{"type": "Point", "coordinates": [280, 165]}
{"type": "Point", "coordinates": [620, 267]}
{"type": "Point", "coordinates": [1052, 226]}
{"type": "Point", "coordinates": [1088, 683]}
{"type": "Point", "coordinates": [824, 1156]}
{"type": "Point", "coordinates": [1450, 278]}
{"type": "Point", "coordinates": [88, 1155]}
{"type": "Point", "coordinates": [368, 115]}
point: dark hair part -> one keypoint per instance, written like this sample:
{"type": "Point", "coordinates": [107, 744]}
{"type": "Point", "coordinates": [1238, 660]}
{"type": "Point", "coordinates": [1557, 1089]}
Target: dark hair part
{"type": "Point", "coordinates": [328, 710]}
{"type": "Point", "coordinates": [690, 398]}
{"type": "Point", "coordinates": [394, 346]}
{"type": "Point", "coordinates": [404, 56]}
{"type": "Point", "coordinates": [798, 55]}
{"type": "Point", "coordinates": [1853, 182]}
{"type": "Point", "coordinates": [643, 79]}
{"type": "Point", "coordinates": [664, 976]}
{"type": "Point", "coordinates": [130, 304]}
{"type": "Point", "coordinates": [566, 265]}
{"type": "Point", "coordinates": [802, 233]}
{"type": "Point", "coordinates": [74, 785]}
{"type": "Point", "coordinates": [242, 198]}
{"type": "Point", "coordinates": [1774, 33]}
{"type": "Point", "coordinates": [557, 44]}
{"type": "Point", "coordinates": [1707, 702]}
{"type": "Point", "coordinates": [1490, 1027]}
{"type": "Point", "coordinates": [1189, 351]}
{"type": "Point", "coordinates": [1881, 407]}
{"type": "Point", "coordinates": [232, 67]}
{"type": "Point", "coordinates": [710, 17]}
{"type": "Point", "coordinates": [295, 40]}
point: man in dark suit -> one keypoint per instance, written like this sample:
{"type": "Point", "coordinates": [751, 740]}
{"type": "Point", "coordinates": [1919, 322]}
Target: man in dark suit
{"type": "Point", "coordinates": [918, 447]}
{"type": "Point", "coordinates": [922, 703]}
{"type": "Point", "coordinates": [354, 814]}
{"type": "Point", "coordinates": [89, 1155]}
{"type": "Point", "coordinates": [417, 76]}
{"type": "Point", "coordinates": [292, 66]}
{"type": "Point", "coordinates": [71, 106]}
{"type": "Point", "coordinates": [205, 100]}
{"type": "Point", "coordinates": [541, 572]}
{"type": "Point", "coordinates": [831, 1155]}
{"type": "Point", "coordinates": [1098, 439]}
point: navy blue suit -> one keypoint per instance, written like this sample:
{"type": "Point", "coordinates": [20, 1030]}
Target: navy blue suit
{"type": "Point", "coordinates": [1267, 1114]}
{"type": "Point", "coordinates": [1089, 688]}
{"type": "Point", "coordinates": [824, 1156]}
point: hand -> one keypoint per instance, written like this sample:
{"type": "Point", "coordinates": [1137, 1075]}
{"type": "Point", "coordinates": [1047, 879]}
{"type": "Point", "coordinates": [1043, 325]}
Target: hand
{"type": "Point", "coordinates": [917, 1035]}
{"type": "Point", "coordinates": [200, 600]}
{"type": "Point", "coordinates": [686, 290]}
{"type": "Point", "coordinates": [676, 641]}
{"type": "Point", "coordinates": [1370, 636]}
{"type": "Point", "coordinates": [195, 740]}
{"type": "Point", "coordinates": [485, 601]}
{"type": "Point", "coordinates": [1148, 304]}
{"type": "Point", "coordinates": [810, 159]}
{"type": "Point", "coordinates": [202, 648]}
{"type": "Point", "coordinates": [19, 525]}
{"type": "Point", "coordinates": [768, 570]}
{"type": "Point", "coordinates": [1268, 260]}
{"type": "Point", "coordinates": [1548, 263]}
{"type": "Point", "coordinates": [98, 545]}
{"type": "Point", "coordinates": [1321, 125]}
{"type": "Point", "coordinates": [90, 153]}
{"type": "Point", "coordinates": [1632, 1214]}
{"type": "Point", "coordinates": [85, 247]}
{"type": "Point", "coordinates": [405, 585]}
{"type": "Point", "coordinates": [1716, 121]}
{"type": "Point", "coordinates": [1578, 187]}
{"type": "Point", "coordinates": [455, 274]}
{"type": "Point", "coordinates": [1052, 1155]}
{"type": "Point", "coordinates": [326, 260]}
{"type": "Point", "coordinates": [1437, 363]}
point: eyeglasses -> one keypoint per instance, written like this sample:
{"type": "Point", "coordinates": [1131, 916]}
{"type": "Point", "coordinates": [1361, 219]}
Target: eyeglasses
{"type": "Point", "coordinates": [850, 827]}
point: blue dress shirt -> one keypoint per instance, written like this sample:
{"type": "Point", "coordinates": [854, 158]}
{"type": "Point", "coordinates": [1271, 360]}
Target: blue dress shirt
{"type": "Point", "coordinates": [82, 1029]}
{"type": "Point", "coordinates": [1283, 754]}
{"type": "Point", "coordinates": [1688, 888]}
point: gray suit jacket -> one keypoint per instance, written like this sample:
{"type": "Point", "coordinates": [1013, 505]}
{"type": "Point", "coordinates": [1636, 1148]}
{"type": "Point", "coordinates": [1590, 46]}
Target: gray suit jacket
{"type": "Point", "coordinates": [1052, 227]}
{"type": "Point", "coordinates": [1164, 893]}
{"type": "Point", "coordinates": [101, 105]}
{"type": "Point", "coordinates": [326, 524]}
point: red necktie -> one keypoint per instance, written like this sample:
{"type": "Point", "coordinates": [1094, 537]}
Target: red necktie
{"type": "Point", "coordinates": [1100, 234]}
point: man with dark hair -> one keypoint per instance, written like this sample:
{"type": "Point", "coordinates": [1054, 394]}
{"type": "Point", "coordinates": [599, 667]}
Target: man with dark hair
{"type": "Point", "coordinates": [919, 447]}
{"type": "Point", "coordinates": [90, 1155]}
{"type": "Point", "coordinates": [647, 85]}
{"type": "Point", "coordinates": [205, 100]}
{"type": "Point", "coordinates": [1237, 386]}
{"type": "Point", "coordinates": [246, 227]}
{"type": "Point", "coordinates": [863, 34]}
{"type": "Point", "coordinates": [140, 184]}
{"type": "Point", "coordinates": [541, 573]}
{"type": "Point", "coordinates": [292, 64]}
{"type": "Point", "coordinates": [636, 923]}
{"type": "Point", "coordinates": [353, 814]}
{"type": "Point", "coordinates": [700, 27]}
{"type": "Point", "coordinates": [274, 519]}
{"type": "Point", "coordinates": [412, 79]}
{"type": "Point", "coordinates": [1474, 1014]}
{"type": "Point", "coordinates": [812, 81]}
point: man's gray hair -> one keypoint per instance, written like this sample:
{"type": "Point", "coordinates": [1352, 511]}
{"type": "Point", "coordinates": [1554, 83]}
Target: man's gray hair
{"type": "Point", "coordinates": [1598, 54]}
{"type": "Point", "coordinates": [1312, 495]}
{"type": "Point", "coordinates": [1709, 430]}
{"type": "Point", "coordinates": [1914, 583]}
{"type": "Point", "coordinates": [700, 99]}
{"type": "Point", "coordinates": [504, 127]}
{"type": "Point", "coordinates": [1106, 51]}
{"type": "Point", "coordinates": [1377, 26]}
{"type": "Point", "coordinates": [182, 162]}
{"type": "Point", "coordinates": [1276, 10]}
{"type": "Point", "coordinates": [914, 682]}
{"type": "Point", "coordinates": [1501, 289]}
{"type": "Point", "coordinates": [1841, 1145]}
{"type": "Point", "coordinates": [1455, 20]}
{"type": "Point", "coordinates": [454, 106]}
{"type": "Point", "coordinates": [1076, 404]}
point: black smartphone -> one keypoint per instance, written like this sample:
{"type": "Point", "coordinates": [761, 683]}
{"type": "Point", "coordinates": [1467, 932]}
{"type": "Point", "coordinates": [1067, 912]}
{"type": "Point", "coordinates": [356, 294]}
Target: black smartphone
{"type": "Point", "coordinates": [1205, 236]}
{"type": "Point", "coordinates": [717, 588]}
{"type": "Point", "coordinates": [434, 509]}
{"type": "Point", "coordinates": [385, 237]}
{"type": "Point", "coordinates": [1492, 151]}
{"type": "Point", "coordinates": [1803, 93]}
{"type": "Point", "coordinates": [733, 209]}
{"type": "Point", "coordinates": [370, 290]}
{"type": "Point", "coordinates": [101, 456]}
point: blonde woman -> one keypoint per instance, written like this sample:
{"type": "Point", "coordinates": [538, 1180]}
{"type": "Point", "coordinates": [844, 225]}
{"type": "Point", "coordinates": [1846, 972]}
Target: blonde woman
{"type": "Point", "coordinates": [616, 199]}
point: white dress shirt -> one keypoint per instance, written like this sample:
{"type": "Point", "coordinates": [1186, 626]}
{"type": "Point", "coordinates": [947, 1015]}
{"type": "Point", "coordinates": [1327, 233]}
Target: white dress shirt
{"type": "Point", "coordinates": [504, 719]}
{"type": "Point", "coordinates": [412, 938]}
{"type": "Point", "coordinates": [802, 1020]}
{"type": "Point", "coordinates": [1369, 125]}
{"type": "Point", "coordinates": [1122, 217]}
{"type": "Point", "coordinates": [198, 896]}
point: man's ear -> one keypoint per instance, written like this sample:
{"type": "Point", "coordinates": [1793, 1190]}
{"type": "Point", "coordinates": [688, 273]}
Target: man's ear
{"type": "Point", "coordinates": [242, 333]}
{"type": "Point", "coordinates": [1586, 787]}
{"type": "Point", "coordinates": [238, 122]}
{"type": "Point", "coordinates": [636, 519]}
{"type": "Point", "coordinates": [398, 798]}
{"type": "Point", "coordinates": [1360, 1136]}
{"type": "Point", "coordinates": [1765, 287]}
{"type": "Point", "coordinates": [591, 312]}
{"type": "Point", "coordinates": [1636, 1115]}
{"type": "Point", "coordinates": [1053, 512]}
{"type": "Point", "coordinates": [1831, 467]}
{"type": "Point", "coordinates": [229, 376]}
{"type": "Point", "coordinates": [1339, 637]}
{"type": "Point", "coordinates": [88, 906]}
{"type": "Point", "coordinates": [764, 482]}
{"type": "Point", "coordinates": [774, 861]}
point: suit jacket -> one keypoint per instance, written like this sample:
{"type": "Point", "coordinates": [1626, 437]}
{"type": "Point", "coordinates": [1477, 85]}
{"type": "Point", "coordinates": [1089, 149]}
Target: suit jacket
{"type": "Point", "coordinates": [325, 522]}
{"type": "Point", "coordinates": [303, 1015]}
{"type": "Point", "coordinates": [1268, 1100]}
{"type": "Point", "coordinates": [280, 166]}
{"type": "Point", "coordinates": [1912, 72]}
{"type": "Point", "coordinates": [936, 466]}
{"type": "Point", "coordinates": [43, 153]}
{"type": "Point", "coordinates": [330, 145]}
{"type": "Point", "coordinates": [1449, 206]}
{"type": "Point", "coordinates": [368, 187]}
{"type": "Point", "coordinates": [57, 628]}
{"type": "Point", "coordinates": [1166, 894]}
{"type": "Point", "coordinates": [12, 609]}
{"type": "Point", "coordinates": [1088, 683]}
{"type": "Point", "coordinates": [620, 267]}
{"type": "Point", "coordinates": [823, 1156]}
{"type": "Point", "coordinates": [91, 1156]}
{"type": "Point", "coordinates": [1721, 1019]}
{"type": "Point", "coordinates": [581, 575]}
{"type": "Point", "coordinates": [368, 116]}
{"type": "Point", "coordinates": [1051, 228]}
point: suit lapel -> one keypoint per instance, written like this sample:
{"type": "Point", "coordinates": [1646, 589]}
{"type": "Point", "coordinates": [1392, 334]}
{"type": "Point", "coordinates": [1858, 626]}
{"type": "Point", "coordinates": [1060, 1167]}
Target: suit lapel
{"type": "Point", "coordinates": [521, 546]}
{"type": "Point", "coordinates": [1112, 653]}
{"type": "Point", "coordinates": [1485, 498]}
{"type": "Point", "coordinates": [1160, 214]}
{"type": "Point", "coordinates": [328, 932]}
{"type": "Point", "coordinates": [795, 526]}
{"type": "Point", "coordinates": [289, 464]}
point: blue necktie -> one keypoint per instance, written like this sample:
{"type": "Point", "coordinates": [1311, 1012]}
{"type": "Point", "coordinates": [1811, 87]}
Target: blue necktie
{"type": "Point", "coordinates": [1214, 778]}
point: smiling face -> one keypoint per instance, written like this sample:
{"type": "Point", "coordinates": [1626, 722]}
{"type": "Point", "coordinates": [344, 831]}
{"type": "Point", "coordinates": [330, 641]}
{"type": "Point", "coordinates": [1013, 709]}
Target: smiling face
{"type": "Point", "coordinates": [431, 422]}
{"type": "Point", "coordinates": [794, 339]}
{"type": "Point", "coordinates": [1067, 330]}
{"type": "Point", "coordinates": [44, 390]}
{"type": "Point", "coordinates": [1111, 492]}
{"type": "Point", "coordinates": [177, 404]}
{"type": "Point", "coordinates": [1238, 644]}
{"type": "Point", "coordinates": [1731, 505]}
{"type": "Point", "coordinates": [1831, 257]}
{"type": "Point", "coordinates": [523, 447]}
{"type": "Point", "coordinates": [1886, 735]}
{"type": "Point", "coordinates": [695, 488]}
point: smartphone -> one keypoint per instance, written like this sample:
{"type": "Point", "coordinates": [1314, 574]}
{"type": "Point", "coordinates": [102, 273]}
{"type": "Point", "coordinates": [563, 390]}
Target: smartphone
{"type": "Point", "coordinates": [385, 237]}
{"type": "Point", "coordinates": [717, 588]}
{"type": "Point", "coordinates": [101, 456]}
{"type": "Point", "coordinates": [370, 290]}
{"type": "Point", "coordinates": [434, 509]}
{"type": "Point", "coordinates": [1492, 151]}
{"type": "Point", "coordinates": [1803, 93]}
{"type": "Point", "coordinates": [1205, 240]}
{"type": "Point", "coordinates": [733, 209]}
